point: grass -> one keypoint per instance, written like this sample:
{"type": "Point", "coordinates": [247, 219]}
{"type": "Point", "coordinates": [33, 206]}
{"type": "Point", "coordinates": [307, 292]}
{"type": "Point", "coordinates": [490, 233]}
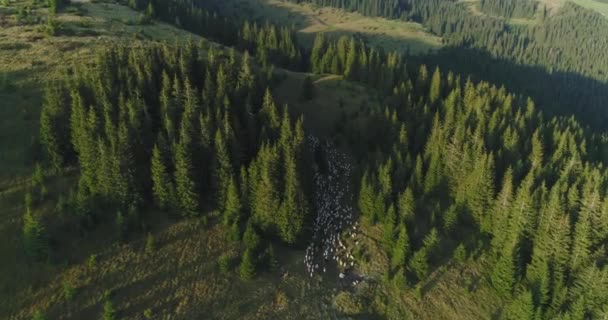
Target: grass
{"type": "Point", "coordinates": [309, 19]}
{"type": "Point", "coordinates": [334, 100]}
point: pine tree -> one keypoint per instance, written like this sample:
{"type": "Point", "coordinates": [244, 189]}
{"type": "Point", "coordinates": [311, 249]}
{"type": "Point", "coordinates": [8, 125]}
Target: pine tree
{"type": "Point", "coordinates": [351, 70]}
{"type": "Point", "coordinates": [269, 112]}
{"type": "Point", "coordinates": [39, 315]}
{"type": "Point", "coordinates": [581, 243]}
{"type": "Point", "coordinates": [185, 188]}
{"type": "Point", "coordinates": [401, 248]}
{"type": "Point", "coordinates": [406, 205]}
{"type": "Point", "coordinates": [503, 274]}
{"type": "Point", "coordinates": [54, 128]}
{"type": "Point", "coordinates": [251, 239]}
{"type": "Point", "coordinates": [317, 53]}
{"type": "Point", "coordinates": [247, 267]}
{"type": "Point", "coordinates": [389, 233]}
{"type": "Point", "coordinates": [34, 233]}
{"type": "Point", "coordinates": [435, 91]}
{"type": "Point", "coordinates": [222, 168]}
{"type": "Point", "coordinates": [264, 196]}
{"type": "Point", "coordinates": [233, 205]}
{"type": "Point", "coordinates": [419, 264]}
{"type": "Point", "coordinates": [521, 308]}
{"type": "Point", "coordinates": [366, 197]}
{"type": "Point", "coordinates": [109, 313]}
{"type": "Point", "coordinates": [162, 184]}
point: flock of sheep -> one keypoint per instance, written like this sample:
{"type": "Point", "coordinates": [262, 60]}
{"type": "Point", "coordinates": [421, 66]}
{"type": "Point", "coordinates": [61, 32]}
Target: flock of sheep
{"type": "Point", "coordinates": [334, 219]}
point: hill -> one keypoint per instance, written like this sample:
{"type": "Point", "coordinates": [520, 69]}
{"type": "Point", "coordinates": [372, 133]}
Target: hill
{"type": "Point", "coordinates": [255, 177]}
{"type": "Point", "coordinates": [308, 19]}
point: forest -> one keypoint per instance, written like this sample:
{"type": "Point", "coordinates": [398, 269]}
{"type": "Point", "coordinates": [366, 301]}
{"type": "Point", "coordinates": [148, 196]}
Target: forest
{"type": "Point", "coordinates": [452, 167]}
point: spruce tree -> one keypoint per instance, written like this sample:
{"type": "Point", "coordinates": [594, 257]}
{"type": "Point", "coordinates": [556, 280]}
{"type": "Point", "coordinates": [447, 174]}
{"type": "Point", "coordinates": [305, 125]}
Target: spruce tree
{"type": "Point", "coordinates": [521, 308]}
{"type": "Point", "coordinates": [162, 184]}
{"type": "Point", "coordinates": [185, 188]}
{"type": "Point", "coordinates": [54, 127]}
{"type": "Point", "coordinates": [233, 205]}
{"type": "Point", "coordinates": [222, 170]}
{"type": "Point", "coordinates": [419, 264]}
{"type": "Point", "coordinates": [401, 248]}
{"type": "Point", "coordinates": [34, 233]}
{"type": "Point", "coordinates": [406, 205]}
{"type": "Point", "coordinates": [247, 267]}
{"type": "Point", "coordinates": [366, 197]}
{"type": "Point", "coordinates": [109, 313]}
{"type": "Point", "coordinates": [435, 91]}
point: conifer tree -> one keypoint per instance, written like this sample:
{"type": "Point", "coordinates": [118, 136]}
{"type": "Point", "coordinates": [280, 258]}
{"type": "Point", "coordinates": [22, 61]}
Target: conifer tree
{"type": "Point", "coordinates": [435, 91]}
{"type": "Point", "coordinates": [222, 169]}
{"type": "Point", "coordinates": [293, 208]}
{"type": "Point", "coordinates": [109, 313]}
{"type": "Point", "coordinates": [162, 184]}
{"type": "Point", "coordinates": [352, 61]}
{"type": "Point", "coordinates": [406, 205]}
{"type": "Point", "coordinates": [247, 267]}
{"type": "Point", "coordinates": [233, 205]}
{"type": "Point", "coordinates": [264, 195]}
{"type": "Point", "coordinates": [34, 233]}
{"type": "Point", "coordinates": [185, 188]}
{"type": "Point", "coordinates": [418, 264]}
{"type": "Point", "coordinates": [366, 197]}
{"type": "Point", "coordinates": [503, 274]}
{"type": "Point", "coordinates": [269, 111]}
{"type": "Point", "coordinates": [251, 239]}
{"type": "Point", "coordinates": [521, 308]}
{"type": "Point", "coordinates": [54, 134]}
{"type": "Point", "coordinates": [580, 243]}
{"type": "Point", "coordinates": [401, 248]}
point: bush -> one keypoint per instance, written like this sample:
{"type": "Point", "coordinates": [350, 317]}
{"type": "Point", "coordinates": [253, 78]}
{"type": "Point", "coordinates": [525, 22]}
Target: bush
{"type": "Point", "coordinates": [247, 267]}
{"type": "Point", "coordinates": [348, 304]}
{"type": "Point", "coordinates": [460, 254]}
{"type": "Point", "coordinates": [34, 233]}
{"type": "Point", "coordinates": [143, 19]}
{"type": "Point", "coordinates": [108, 310]}
{"type": "Point", "coordinates": [39, 316]}
{"type": "Point", "coordinates": [69, 292]}
{"type": "Point", "coordinates": [148, 314]}
{"type": "Point", "coordinates": [92, 261]}
{"type": "Point", "coordinates": [121, 226]}
{"type": "Point", "coordinates": [51, 28]}
{"type": "Point", "coordinates": [150, 244]}
{"type": "Point", "coordinates": [224, 263]}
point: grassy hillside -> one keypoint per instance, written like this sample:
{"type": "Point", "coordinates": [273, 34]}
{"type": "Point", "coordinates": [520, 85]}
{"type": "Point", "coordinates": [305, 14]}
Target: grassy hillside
{"type": "Point", "coordinates": [180, 277]}
{"type": "Point", "coordinates": [309, 19]}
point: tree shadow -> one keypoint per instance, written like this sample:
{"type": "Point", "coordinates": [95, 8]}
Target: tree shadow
{"type": "Point", "coordinates": [555, 93]}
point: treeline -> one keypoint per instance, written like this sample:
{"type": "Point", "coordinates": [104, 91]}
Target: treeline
{"type": "Point", "coordinates": [568, 46]}
{"type": "Point", "coordinates": [354, 60]}
{"type": "Point", "coordinates": [186, 128]}
{"type": "Point", "coordinates": [266, 42]}
{"type": "Point", "coordinates": [463, 170]}
{"type": "Point", "coordinates": [378, 8]}
{"type": "Point", "coordinates": [509, 8]}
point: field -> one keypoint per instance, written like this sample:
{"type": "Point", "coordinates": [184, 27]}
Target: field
{"type": "Point", "coordinates": [308, 19]}
{"type": "Point", "coordinates": [180, 279]}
